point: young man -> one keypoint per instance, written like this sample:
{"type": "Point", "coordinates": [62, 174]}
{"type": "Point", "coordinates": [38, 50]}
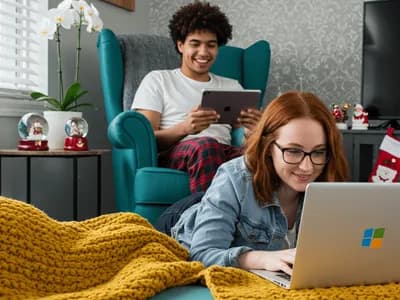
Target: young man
{"type": "Point", "coordinates": [188, 137]}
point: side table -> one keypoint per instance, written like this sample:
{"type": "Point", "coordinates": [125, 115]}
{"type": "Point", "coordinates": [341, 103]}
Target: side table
{"type": "Point", "coordinates": [59, 153]}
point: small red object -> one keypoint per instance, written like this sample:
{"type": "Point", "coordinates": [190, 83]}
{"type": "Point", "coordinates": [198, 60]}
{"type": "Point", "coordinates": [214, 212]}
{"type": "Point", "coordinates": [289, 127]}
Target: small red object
{"type": "Point", "coordinates": [35, 145]}
{"type": "Point", "coordinates": [75, 143]}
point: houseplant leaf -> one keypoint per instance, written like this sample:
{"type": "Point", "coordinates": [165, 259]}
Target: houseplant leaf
{"type": "Point", "coordinates": [50, 100]}
{"type": "Point", "coordinates": [72, 95]}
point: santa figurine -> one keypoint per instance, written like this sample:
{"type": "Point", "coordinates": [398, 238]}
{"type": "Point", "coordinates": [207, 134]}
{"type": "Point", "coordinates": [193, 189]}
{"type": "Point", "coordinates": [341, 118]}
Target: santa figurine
{"type": "Point", "coordinates": [338, 114]}
{"type": "Point", "coordinates": [360, 118]}
{"type": "Point", "coordinates": [35, 131]}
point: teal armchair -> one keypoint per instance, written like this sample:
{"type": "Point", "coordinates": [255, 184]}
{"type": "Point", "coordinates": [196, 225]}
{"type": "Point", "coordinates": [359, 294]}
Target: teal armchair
{"type": "Point", "coordinates": [140, 185]}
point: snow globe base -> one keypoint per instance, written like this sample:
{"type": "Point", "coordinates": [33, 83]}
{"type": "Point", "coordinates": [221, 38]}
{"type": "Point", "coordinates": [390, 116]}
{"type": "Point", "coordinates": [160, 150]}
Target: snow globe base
{"type": "Point", "coordinates": [29, 145]}
{"type": "Point", "coordinates": [75, 143]}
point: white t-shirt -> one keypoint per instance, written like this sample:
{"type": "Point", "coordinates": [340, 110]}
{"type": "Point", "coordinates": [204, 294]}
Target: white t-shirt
{"type": "Point", "coordinates": [291, 236]}
{"type": "Point", "coordinates": [174, 95]}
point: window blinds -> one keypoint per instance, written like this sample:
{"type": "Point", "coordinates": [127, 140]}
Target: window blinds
{"type": "Point", "coordinates": [23, 52]}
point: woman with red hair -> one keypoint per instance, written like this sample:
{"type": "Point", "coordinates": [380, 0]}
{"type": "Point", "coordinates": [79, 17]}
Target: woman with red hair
{"type": "Point", "coordinates": [250, 215]}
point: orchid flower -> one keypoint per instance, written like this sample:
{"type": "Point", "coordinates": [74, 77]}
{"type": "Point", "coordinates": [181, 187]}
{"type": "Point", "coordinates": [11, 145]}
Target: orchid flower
{"type": "Point", "coordinates": [64, 17]}
{"type": "Point", "coordinates": [93, 20]}
{"type": "Point", "coordinates": [94, 24]}
{"type": "Point", "coordinates": [91, 11]}
{"type": "Point", "coordinates": [69, 13]}
{"type": "Point", "coordinates": [47, 28]}
{"type": "Point", "coordinates": [80, 6]}
{"type": "Point", "coordinates": [66, 4]}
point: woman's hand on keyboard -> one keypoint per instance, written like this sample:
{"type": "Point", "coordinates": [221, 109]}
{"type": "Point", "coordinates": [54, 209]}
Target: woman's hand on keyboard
{"type": "Point", "coordinates": [281, 260]}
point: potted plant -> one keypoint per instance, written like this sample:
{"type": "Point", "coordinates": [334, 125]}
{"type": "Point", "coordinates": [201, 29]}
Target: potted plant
{"type": "Point", "coordinates": [68, 14]}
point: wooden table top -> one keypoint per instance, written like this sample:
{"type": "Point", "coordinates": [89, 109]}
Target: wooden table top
{"type": "Point", "coordinates": [52, 152]}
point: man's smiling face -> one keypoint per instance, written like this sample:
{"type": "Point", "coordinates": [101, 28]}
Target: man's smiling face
{"type": "Point", "coordinates": [199, 51]}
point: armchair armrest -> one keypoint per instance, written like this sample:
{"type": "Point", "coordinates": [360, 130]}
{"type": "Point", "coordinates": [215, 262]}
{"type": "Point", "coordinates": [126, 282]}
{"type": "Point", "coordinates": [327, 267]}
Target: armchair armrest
{"type": "Point", "coordinates": [139, 178]}
{"type": "Point", "coordinates": [150, 183]}
{"type": "Point", "coordinates": [131, 130]}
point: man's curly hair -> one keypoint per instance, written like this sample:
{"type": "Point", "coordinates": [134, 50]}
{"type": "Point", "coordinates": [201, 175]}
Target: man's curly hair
{"type": "Point", "coordinates": [200, 16]}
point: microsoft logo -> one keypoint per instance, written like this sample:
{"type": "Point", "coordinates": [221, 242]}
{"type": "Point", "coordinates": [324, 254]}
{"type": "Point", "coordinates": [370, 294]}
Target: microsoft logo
{"type": "Point", "coordinates": [373, 238]}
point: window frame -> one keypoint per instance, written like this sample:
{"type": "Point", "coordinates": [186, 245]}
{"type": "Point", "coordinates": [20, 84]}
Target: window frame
{"type": "Point", "coordinates": [15, 103]}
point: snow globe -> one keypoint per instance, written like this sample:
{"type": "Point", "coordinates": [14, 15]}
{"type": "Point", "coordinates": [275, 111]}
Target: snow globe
{"type": "Point", "coordinates": [33, 130]}
{"type": "Point", "coordinates": [76, 129]}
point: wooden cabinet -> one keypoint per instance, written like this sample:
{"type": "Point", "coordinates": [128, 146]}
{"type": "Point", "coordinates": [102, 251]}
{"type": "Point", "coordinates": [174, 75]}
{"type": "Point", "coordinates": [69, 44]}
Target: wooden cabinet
{"type": "Point", "coordinates": [67, 185]}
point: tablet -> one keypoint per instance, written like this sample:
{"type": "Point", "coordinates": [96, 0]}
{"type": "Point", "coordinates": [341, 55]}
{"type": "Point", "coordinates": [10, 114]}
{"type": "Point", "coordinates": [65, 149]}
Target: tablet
{"type": "Point", "coordinates": [229, 103]}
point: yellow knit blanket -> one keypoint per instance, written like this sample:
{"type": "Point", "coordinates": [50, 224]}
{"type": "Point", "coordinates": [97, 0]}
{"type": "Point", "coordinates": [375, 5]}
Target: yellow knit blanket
{"type": "Point", "coordinates": [121, 256]}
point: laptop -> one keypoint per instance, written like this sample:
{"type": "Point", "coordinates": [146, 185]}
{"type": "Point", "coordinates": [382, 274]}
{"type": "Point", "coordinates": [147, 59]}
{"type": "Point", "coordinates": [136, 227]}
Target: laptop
{"type": "Point", "coordinates": [229, 103]}
{"type": "Point", "coordinates": [349, 235]}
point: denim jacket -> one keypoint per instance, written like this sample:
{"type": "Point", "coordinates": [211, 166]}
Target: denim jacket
{"type": "Point", "coordinates": [229, 222]}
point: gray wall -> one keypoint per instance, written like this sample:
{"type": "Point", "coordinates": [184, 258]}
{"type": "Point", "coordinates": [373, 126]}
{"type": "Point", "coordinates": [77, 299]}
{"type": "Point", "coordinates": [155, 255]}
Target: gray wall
{"type": "Point", "coordinates": [316, 46]}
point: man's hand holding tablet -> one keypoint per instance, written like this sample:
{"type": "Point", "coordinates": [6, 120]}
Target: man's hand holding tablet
{"type": "Point", "coordinates": [229, 103]}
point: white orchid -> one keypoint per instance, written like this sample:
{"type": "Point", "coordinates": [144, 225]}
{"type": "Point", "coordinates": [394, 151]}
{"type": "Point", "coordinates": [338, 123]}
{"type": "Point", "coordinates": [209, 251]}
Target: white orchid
{"type": "Point", "coordinates": [80, 6]}
{"type": "Point", "coordinates": [91, 11]}
{"type": "Point", "coordinates": [66, 4]}
{"type": "Point", "coordinates": [47, 28]}
{"type": "Point", "coordinates": [64, 17]}
{"type": "Point", "coordinates": [93, 19]}
{"type": "Point", "coordinates": [94, 24]}
{"type": "Point", "coordinates": [68, 14]}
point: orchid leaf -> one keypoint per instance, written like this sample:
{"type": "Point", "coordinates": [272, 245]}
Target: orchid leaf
{"type": "Point", "coordinates": [72, 95]}
{"type": "Point", "coordinates": [36, 95]}
{"type": "Point", "coordinates": [81, 94]}
{"type": "Point", "coordinates": [72, 92]}
{"type": "Point", "coordinates": [50, 100]}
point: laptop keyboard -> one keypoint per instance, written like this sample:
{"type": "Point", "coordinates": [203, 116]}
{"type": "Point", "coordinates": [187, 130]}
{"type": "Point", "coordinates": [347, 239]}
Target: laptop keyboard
{"type": "Point", "coordinates": [284, 275]}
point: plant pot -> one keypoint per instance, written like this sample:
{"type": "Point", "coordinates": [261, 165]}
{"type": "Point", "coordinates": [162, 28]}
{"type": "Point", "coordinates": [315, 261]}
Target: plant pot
{"type": "Point", "coordinates": [56, 121]}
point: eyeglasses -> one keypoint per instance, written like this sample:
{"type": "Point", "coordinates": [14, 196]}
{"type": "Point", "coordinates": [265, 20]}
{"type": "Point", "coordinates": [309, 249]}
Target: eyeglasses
{"type": "Point", "coordinates": [295, 156]}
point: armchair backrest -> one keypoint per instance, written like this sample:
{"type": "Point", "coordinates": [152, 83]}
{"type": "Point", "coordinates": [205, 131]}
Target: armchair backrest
{"type": "Point", "coordinates": [124, 61]}
{"type": "Point", "coordinates": [141, 54]}
{"type": "Point", "coordinates": [249, 66]}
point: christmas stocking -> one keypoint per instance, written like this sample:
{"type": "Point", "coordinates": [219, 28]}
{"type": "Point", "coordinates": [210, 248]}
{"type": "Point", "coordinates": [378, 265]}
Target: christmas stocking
{"type": "Point", "coordinates": [387, 166]}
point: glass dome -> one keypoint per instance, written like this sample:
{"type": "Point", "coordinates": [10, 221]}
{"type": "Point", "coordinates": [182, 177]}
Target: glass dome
{"type": "Point", "coordinates": [33, 126]}
{"type": "Point", "coordinates": [76, 127]}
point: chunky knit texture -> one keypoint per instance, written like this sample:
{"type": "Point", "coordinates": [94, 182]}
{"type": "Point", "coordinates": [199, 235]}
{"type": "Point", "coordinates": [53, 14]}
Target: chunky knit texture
{"type": "Point", "coordinates": [109, 257]}
{"type": "Point", "coordinates": [233, 283]}
{"type": "Point", "coordinates": [121, 256]}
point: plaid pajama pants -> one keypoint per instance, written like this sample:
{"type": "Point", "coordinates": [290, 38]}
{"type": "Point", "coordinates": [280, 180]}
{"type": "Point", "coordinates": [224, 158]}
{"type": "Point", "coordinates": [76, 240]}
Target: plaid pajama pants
{"type": "Point", "coordinates": [200, 158]}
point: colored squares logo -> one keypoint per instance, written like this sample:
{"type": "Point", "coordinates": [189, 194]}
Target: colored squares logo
{"type": "Point", "coordinates": [373, 238]}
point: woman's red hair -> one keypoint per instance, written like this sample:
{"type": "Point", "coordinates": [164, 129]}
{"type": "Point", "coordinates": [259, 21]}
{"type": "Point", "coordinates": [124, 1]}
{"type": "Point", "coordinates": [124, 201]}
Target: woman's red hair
{"type": "Point", "coordinates": [281, 110]}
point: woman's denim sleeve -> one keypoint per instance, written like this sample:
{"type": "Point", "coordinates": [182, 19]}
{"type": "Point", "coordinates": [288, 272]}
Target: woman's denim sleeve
{"type": "Point", "coordinates": [216, 221]}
